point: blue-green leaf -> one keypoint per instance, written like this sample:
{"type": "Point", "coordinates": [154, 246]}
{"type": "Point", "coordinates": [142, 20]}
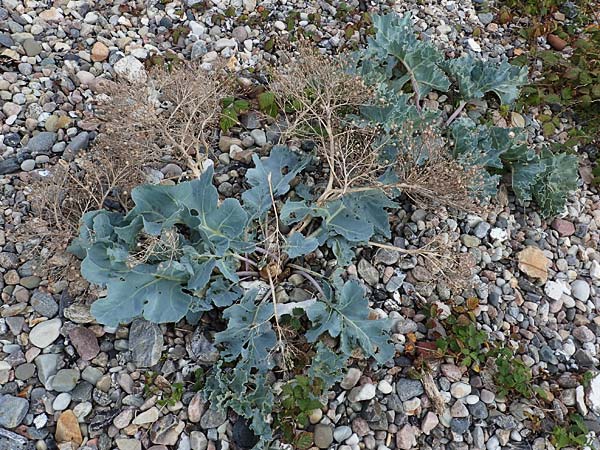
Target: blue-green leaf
{"type": "Point", "coordinates": [396, 54]}
{"type": "Point", "coordinates": [298, 245]}
{"type": "Point", "coordinates": [157, 294]}
{"type": "Point", "coordinates": [249, 333]}
{"type": "Point", "coordinates": [327, 365]}
{"type": "Point", "coordinates": [370, 205]}
{"type": "Point", "coordinates": [342, 249]}
{"type": "Point", "coordinates": [279, 169]}
{"type": "Point", "coordinates": [345, 315]}
{"type": "Point", "coordinates": [476, 77]}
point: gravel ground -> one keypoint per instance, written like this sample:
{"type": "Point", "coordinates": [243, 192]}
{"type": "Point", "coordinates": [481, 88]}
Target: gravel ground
{"type": "Point", "coordinates": [67, 382]}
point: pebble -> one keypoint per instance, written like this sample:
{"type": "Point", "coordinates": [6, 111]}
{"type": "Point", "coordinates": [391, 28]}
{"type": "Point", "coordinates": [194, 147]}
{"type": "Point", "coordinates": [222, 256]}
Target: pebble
{"type": "Point", "coordinates": [41, 142]}
{"type": "Point", "coordinates": [67, 429]}
{"type": "Point", "coordinates": [61, 402]}
{"type": "Point", "coordinates": [460, 390]}
{"type": "Point", "coordinates": [131, 69]}
{"type": "Point", "coordinates": [12, 410]}
{"type": "Point", "coordinates": [362, 393]}
{"type": "Point", "coordinates": [580, 290]}
{"type": "Point", "coordinates": [85, 342]}
{"type": "Point", "coordinates": [65, 380]}
{"type": "Point", "coordinates": [45, 333]}
{"type": "Point", "coordinates": [351, 378]}
{"type": "Point", "coordinates": [145, 343]}
{"type": "Point", "coordinates": [407, 388]}
{"type": "Point", "coordinates": [323, 436]}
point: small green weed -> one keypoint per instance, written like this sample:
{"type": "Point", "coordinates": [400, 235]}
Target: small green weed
{"type": "Point", "coordinates": [464, 342]}
{"type": "Point", "coordinates": [172, 397]}
{"type": "Point", "coordinates": [512, 374]}
{"type": "Point", "coordinates": [232, 108]}
{"type": "Point", "coordinates": [573, 434]}
{"type": "Point", "coordinates": [299, 398]}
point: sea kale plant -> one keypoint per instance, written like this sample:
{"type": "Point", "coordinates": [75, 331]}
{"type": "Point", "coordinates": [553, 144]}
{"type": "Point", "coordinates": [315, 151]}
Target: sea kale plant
{"type": "Point", "coordinates": [367, 143]}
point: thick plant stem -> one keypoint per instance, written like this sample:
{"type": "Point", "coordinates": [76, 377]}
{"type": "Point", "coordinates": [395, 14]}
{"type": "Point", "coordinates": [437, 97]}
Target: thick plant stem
{"type": "Point", "coordinates": [311, 280]}
{"type": "Point", "coordinates": [455, 114]}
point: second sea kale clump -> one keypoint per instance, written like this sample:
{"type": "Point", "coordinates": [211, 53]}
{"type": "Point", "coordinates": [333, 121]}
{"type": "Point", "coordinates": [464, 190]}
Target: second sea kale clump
{"type": "Point", "coordinates": [403, 70]}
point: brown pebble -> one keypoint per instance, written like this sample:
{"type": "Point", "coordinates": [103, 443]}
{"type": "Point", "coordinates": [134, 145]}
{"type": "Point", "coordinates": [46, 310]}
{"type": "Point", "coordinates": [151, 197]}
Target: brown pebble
{"type": "Point", "coordinates": [556, 42]}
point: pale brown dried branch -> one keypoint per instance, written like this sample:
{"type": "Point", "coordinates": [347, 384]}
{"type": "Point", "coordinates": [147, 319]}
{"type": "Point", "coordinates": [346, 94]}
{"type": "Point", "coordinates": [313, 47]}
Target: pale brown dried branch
{"type": "Point", "coordinates": [172, 112]}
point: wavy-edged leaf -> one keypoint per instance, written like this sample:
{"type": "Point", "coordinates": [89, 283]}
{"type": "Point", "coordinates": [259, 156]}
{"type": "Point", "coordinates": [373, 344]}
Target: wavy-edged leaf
{"type": "Point", "coordinates": [157, 294]}
{"type": "Point", "coordinates": [222, 293]}
{"type": "Point", "coordinates": [193, 203]}
{"type": "Point", "coordinates": [249, 333]}
{"type": "Point", "coordinates": [327, 365]}
{"type": "Point", "coordinates": [342, 250]}
{"type": "Point", "coordinates": [370, 205]}
{"type": "Point", "coordinates": [402, 57]}
{"type": "Point", "coordinates": [345, 315]}
{"type": "Point", "coordinates": [247, 393]}
{"type": "Point", "coordinates": [476, 77]}
{"type": "Point", "coordinates": [100, 264]}
{"type": "Point", "coordinates": [279, 169]}
{"type": "Point", "coordinates": [299, 245]}
{"type": "Point", "coordinates": [554, 183]}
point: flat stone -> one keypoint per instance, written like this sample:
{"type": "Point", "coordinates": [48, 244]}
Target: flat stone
{"type": "Point", "coordinates": [149, 416]}
{"type": "Point", "coordinates": [407, 388]}
{"type": "Point", "coordinates": [459, 409]}
{"type": "Point", "coordinates": [259, 136]}
{"type": "Point", "coordinates": [99, 52]}
{"type": "Point", "coordinates": [123, 419]}
{"type": "Point", "coordinates": [196, 408]}
{"type": "Point", "coordinates": [47, 365]}
{"type": "Point", "coordinates": [534, 263]}
{"type": "Point", "coordinates": [44, 304]}
{"type": "Point", "coordinates": [429, 422]}
{"type": "Point", "coordinates": [131, 69]}
{"type": "Point", "coordinates": [212, 418]}
{"type": "Point", "coordinates": [166, 430]}
{"type": "Point", "coordinates": [12, 410]}
{"type": "Point", "coordinates": [61, 402]}
{"type": "Point", "coordinates": [45, 333]}
{"type": "Point", "coordinates": [25, 371]}
{"type": "Point", "coordinates": [198, 440]}
{"type": "Point", "coordinates": [460, 425]}
{"type": "Point", "coordinates": [340, 434]}
{"type": "Point", "coordinates": [202, 349]}
{"type": "Point", "coordinates": [91, 374]}
{"type": "Point", "coordinates": [406, 438]}
{"type": "Point", "coordinates": [145, 343]}
{"type": "Point", "coordinates": [225, 143]}
{"type": "Point", "coordinates": [128, 444]}
{"type": "Point", "coordinates": [460, 390]}
{"type": "Point", "coordinates": [368, 272]}
{"type": "Point", "coordinates": [79, 314]}
{"type": "Point", "coordinates": [32, 47]}
{"type": "Point", "coordinates": [362, 393]}
{"type": "Point", "coordinates": [580, 290]}
{"type": "Point", "coordinates": [323, 436]}
{"type": "Point", "coordinates": [79, 142]}
{"type": "Point", "coordinates": [42, 142]}
{"type": "Point", "coordinates": [584, 334]}
{"type": "Point", "coordinates": [351, 378]}
{"type": "Point", "coordinates": [564, 227]}
{"type": "Point", "coordinates": [28, 165]}
{"type": "Point", "coordinates": [67, 429]}
{"type": "Point", "coordinates": [85, 342]}
{"type": "Point", "coordinates": [65, 380]}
